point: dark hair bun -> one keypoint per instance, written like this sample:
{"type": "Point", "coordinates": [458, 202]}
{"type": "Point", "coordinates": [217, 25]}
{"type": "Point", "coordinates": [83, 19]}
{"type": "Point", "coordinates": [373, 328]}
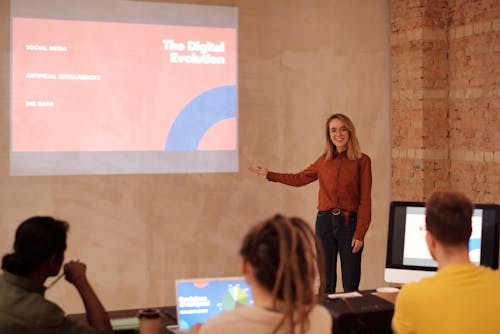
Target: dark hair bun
{"type": "Point", "coordinates": [13, 263]}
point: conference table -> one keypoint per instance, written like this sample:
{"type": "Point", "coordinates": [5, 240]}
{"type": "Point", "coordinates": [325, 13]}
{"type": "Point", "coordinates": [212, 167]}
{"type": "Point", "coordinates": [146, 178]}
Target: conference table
{"type": "Point", "coordinates": [167, 316]}
{"type": "Point", "coordinates": [365, 313]}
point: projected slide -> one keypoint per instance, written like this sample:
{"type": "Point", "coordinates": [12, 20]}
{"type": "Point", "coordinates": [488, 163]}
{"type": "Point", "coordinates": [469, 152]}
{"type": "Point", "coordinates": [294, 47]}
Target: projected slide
{"type": "Point", "coordinates": [123, 93]}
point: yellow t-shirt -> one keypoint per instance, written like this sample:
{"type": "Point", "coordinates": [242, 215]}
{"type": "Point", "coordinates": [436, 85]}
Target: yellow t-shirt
{"type": "Point", "coordinates": [461, 298]}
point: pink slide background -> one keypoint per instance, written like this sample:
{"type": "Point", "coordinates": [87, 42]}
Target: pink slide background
{"type": "Point", "coordinates": [137, 99]}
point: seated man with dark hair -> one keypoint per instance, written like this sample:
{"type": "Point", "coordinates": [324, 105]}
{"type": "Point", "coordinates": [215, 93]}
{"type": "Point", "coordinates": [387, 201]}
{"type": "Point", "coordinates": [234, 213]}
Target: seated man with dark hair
{"type": "Point", "coordinates": [39, 248]}
{"type": "Point", "coordinates": [461, 297]}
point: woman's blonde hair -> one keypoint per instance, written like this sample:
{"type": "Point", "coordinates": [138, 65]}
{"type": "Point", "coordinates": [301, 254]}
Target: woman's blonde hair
{"type": "Point", "coordinates": [353, 148]}
{"type": "Point", "coordinates": [286, 258]}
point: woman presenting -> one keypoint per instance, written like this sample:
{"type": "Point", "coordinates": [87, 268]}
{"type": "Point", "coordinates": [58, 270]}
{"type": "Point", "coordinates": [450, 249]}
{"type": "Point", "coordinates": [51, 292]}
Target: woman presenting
{"type": "Point", "coordinates": [344, 199]}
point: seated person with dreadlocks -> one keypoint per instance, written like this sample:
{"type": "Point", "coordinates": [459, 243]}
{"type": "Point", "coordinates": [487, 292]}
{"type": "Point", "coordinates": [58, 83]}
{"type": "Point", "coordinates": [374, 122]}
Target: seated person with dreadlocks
{"type": "Point", "coordinates": [279, 262]}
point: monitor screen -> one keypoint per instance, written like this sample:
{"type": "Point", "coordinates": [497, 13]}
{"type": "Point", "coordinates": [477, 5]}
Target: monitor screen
{"type": "Point", "coordinates": [200, 299]}
{"type": "Point", "coordinates": [408, 258]}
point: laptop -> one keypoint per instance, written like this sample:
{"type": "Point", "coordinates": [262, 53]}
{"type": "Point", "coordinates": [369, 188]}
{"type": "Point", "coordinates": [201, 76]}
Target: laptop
{"type": "Point", "coordinates": [200, 299]}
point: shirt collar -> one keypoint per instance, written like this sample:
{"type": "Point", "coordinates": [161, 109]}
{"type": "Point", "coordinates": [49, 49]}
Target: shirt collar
{"type": "Point", "coordinates": [341, 155]}
{"type": "Point", "coordinates": [456, 267]}
{"type": "Point", "coordinates": [24, 283]}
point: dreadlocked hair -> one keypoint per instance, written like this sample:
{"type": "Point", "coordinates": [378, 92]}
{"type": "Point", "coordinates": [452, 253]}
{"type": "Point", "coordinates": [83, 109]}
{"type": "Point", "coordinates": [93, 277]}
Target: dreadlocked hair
{"type": "Point", "coordinates": [287, 259]}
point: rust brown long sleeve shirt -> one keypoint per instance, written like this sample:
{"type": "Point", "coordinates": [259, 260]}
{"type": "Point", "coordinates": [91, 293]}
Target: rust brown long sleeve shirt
{"type": "Point", "coordinates": [343, 183]}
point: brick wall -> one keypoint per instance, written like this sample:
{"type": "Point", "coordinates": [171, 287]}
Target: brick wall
{"type": "Point", "coordinates": [445, 98]}
{"type": "Point", "coordinates": [474, 104]}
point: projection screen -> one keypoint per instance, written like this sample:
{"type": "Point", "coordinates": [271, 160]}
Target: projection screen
{"type": "Point", "coordinates": [118, 87]}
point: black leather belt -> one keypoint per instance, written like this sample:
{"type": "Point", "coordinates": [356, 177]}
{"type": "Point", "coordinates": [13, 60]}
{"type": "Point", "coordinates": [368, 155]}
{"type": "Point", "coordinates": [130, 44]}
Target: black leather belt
{"type": "Point", "coordinates": [341, 212]}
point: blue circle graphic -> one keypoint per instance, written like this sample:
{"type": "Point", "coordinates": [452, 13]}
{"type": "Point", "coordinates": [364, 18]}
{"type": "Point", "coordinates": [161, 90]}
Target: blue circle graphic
{"type": "Point", "coordinates": [199, 115]}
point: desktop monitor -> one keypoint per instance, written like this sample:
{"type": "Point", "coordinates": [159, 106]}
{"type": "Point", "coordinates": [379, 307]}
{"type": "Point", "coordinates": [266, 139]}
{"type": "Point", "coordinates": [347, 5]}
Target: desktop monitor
{"type": "Point", "coordinates": [408, 258]}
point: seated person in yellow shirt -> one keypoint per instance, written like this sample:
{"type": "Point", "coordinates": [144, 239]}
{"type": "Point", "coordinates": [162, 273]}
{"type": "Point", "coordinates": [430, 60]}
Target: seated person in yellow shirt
{"type": "Point", "coordinates": [39, 248]}
{"type": "Point", "coordinates": [461, 297]}
{"type": "Point", "coordinates": [278, 260]}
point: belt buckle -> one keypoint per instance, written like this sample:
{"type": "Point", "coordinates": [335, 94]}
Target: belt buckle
{"type": "Point", "coordinates": [336, 211]}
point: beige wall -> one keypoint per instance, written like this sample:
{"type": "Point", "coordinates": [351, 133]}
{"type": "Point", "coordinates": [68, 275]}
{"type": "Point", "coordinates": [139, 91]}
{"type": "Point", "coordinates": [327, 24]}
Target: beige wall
{"type": "Point", "coordinates": [299, 62]}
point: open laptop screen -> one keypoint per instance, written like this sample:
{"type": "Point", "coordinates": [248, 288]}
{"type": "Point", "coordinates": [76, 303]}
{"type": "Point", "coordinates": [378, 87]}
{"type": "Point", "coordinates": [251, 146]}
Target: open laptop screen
{"type": "Point", "coordinates": [201, 299]}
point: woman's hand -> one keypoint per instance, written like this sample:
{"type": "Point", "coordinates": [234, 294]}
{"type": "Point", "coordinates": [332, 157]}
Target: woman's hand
{"type": "Point", "coordinates": [356, 245]}
{"type": "Point", "coordinates": [259, 170]}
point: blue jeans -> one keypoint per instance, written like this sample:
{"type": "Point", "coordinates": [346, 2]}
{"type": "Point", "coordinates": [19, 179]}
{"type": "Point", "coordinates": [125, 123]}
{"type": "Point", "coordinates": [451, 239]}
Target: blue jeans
{"type": "Point", "coordinates": [336, 236]}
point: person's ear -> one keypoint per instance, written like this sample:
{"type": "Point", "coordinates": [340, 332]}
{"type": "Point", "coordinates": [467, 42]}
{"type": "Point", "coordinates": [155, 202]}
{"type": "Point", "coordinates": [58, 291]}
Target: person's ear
{"type": "Point", "coordinates": [431, 243]}
{"type": "Point", "coordinates": [55, 263]}
{"type": "Point", "coordinates": [243, 266]}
